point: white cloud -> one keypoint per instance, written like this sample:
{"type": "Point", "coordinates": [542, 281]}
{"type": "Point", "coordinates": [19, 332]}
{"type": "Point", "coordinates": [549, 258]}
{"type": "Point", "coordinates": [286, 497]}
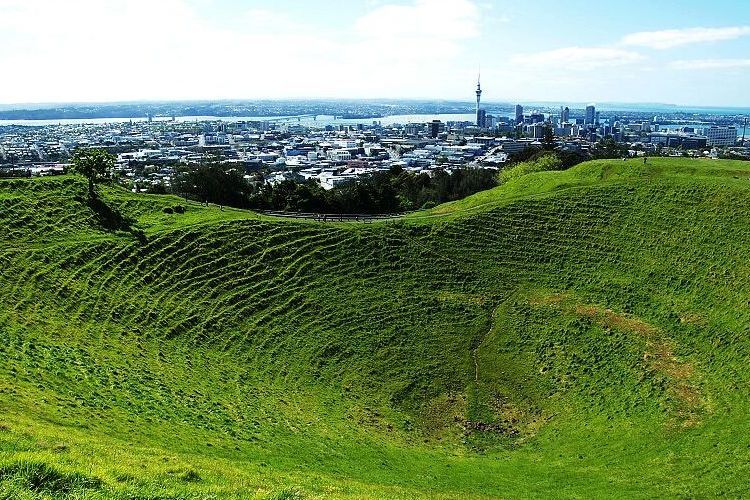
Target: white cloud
{"type": "Point", "coordinates": [435, 19]}
{"type": "Point", "coordinates": [698, 64]}
{"type": "Point", "coordinates": [668, 39]}
{"type": "Point", "coordinates": [577, 58]}
{"type": "Point", "coordinates": [90, 50]}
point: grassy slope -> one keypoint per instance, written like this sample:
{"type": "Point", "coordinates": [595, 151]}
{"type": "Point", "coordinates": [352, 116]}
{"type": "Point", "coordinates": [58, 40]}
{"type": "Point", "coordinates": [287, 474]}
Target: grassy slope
{"type": "Point", "coordinates": [573, 334]}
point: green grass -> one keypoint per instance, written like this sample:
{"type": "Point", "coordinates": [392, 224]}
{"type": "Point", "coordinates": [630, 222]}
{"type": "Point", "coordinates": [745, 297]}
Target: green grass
{"type": "Point", "coordinates": [570, 334]}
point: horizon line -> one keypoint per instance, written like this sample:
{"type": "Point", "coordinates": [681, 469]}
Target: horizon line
{"type": "Point", "coordinates": [9, 105]}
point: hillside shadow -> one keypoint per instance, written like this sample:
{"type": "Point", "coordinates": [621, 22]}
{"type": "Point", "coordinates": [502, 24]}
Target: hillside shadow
{"type": "Point", "coordinates": [111, 219]}
{"type": "Point", "coordinates": [108, 217]}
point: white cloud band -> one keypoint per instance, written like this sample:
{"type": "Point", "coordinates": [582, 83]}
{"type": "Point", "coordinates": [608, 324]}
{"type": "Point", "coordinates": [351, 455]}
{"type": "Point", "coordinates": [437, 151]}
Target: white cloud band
{"type": "Point", "coordinates": [699, 64]}
{"type": "Point", "coordinates": [578, 58]}
{"type": "Point", "coordinates": [667, 39]}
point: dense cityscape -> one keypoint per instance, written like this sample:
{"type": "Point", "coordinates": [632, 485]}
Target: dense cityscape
{"type": "Point", "coordinates": [355, 141]}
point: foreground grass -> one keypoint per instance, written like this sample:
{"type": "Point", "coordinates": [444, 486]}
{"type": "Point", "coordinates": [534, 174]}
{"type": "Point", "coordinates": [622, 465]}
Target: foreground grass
{"type": "Point", "coordinates": [568, 334]}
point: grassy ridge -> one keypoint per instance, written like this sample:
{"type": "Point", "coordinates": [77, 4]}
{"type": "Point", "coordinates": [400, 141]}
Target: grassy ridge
{"type": "Point", "coordinates": [571, 334]}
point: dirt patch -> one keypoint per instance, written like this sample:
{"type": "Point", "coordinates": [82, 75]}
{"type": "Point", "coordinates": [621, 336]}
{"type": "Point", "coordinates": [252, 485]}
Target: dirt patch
{"type": "Point", "coordinates": [443, 413]}
{"type": "Point", "coordinates": [692, 319]}
{"type": "Point", "coordinates": [658, 355]}
{"type": "Point", "coordinates": [610, 319]}
{"type": "Point", "coordinates": [504, 428]}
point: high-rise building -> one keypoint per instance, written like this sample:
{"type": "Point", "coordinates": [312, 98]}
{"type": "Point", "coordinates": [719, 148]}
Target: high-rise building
{"type": "Point", "coordinates": [519, 114]}
{"type": "Point", "coordinates": [590, 115]}
{"type": "Point", "coordinates": [721, 136]}
{"type": "Point", "coordinates": [536, 117]}
{"type": "Point", "coordinates": [537, 130]}
{"type": "Point", "coordinates": [435, 126]}
{"type": "Point", "coordinates": [482, 118]}
{"type": "Point", "coordinates": [479, 99]}
{"type": "Point", "coordinates": [564, 115]}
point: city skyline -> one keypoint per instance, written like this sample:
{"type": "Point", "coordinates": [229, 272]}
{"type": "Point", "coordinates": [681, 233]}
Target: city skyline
{"type": "Point", "coordinates": [115, 51]}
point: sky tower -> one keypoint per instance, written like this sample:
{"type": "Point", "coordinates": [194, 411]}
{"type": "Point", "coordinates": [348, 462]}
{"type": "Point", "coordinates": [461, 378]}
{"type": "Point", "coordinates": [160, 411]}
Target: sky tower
{"type": "Point", "coordinates": [479, 99]}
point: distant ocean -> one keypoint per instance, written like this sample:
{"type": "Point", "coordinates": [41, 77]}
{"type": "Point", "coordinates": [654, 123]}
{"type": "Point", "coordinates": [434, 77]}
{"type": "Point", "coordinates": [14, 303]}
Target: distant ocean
{"type": "Point", "coordinates": [322, 120]}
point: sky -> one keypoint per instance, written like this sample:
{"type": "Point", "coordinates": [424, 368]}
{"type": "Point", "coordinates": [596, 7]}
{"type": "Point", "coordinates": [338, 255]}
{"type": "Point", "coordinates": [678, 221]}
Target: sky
{"type": "Point", "coordinates": [687, 52]}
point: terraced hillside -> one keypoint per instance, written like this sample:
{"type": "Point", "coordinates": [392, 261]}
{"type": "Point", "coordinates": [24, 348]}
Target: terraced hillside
{"type": "Point", "coordinates": [568, 334]}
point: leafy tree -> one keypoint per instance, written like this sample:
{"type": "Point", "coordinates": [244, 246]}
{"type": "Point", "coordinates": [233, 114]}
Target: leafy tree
{"type": "Point", "coordinates": [93, 164]}
{"type": "Point", "coordinates": [608, 148]}
{"type": "Point", "coordinates": [159, 188]}
{"type": "Point", "coordinates": [548, 142]}
{"type": "Point", "coordinates": [526, 154]}
{"type": "Point", "coordinates": [214, 183]}
{"type": "Point", "coordinates": [571, 158]}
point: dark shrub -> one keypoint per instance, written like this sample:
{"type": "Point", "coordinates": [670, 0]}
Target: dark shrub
{"type": "Point", "coordinates": [41, 478]}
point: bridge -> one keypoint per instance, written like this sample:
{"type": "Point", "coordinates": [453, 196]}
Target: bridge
{"type": "Point", "coordinates": [286, 118]}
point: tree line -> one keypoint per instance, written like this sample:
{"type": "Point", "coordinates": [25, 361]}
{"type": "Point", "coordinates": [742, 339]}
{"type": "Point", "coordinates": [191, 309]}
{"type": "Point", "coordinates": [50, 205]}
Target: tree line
{"type": "Point", "coordinates": [394, 190]}
{"type": "Point", "coordinates": [391, 191]}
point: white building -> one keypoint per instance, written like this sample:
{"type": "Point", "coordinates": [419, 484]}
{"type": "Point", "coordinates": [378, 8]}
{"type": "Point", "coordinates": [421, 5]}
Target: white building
{"type": "Point", "coordinates": [721, 136]}
{"type": "Point", "coordinates": [330, 181]}
{"type": "Point", "coordinates": [212, 139]}
{"type": "Point", "coordinates": [347, 144]}
{"type": "Point", "coordinates": [339, 155]}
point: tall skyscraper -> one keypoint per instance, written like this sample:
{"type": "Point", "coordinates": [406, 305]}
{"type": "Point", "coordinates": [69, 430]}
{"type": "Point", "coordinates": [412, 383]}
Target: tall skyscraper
{"type": "Point", "coordinates": [519, 114]}
{"type": "Point", "coordinates": [482, 118]}
{"type": "Point", "coordinates": [590, 115]}
{"type": "Point", "coordinates": [565, 115]}
{"type": "Point", "coordinates": [435, 127]}
{"type": "Point", "coordinates": [479, 99]}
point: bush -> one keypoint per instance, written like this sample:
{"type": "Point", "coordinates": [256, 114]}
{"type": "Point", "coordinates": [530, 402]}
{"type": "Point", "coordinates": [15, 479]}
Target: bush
{"type": "Point", "coordinates": [157, 189]}
{"type": "Point", "coordinates": [41, 478]}
{"type": "Point", "coordinates": [287, 494]}
{"type": "Point", "coordinates": [190, 476]}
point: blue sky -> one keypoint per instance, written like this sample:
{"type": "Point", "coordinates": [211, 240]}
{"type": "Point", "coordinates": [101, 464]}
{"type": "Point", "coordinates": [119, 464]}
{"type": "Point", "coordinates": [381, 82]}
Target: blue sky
{"type": "Point", "coordinates": [682, 52]}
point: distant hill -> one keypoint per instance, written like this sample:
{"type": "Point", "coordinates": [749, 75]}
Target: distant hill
{"type": "Point", "coordinates": [567, 334]}
{"type": "Point", "coordinates": [343, 108]}
{"type": "Point", "coordinates": [240, 108]}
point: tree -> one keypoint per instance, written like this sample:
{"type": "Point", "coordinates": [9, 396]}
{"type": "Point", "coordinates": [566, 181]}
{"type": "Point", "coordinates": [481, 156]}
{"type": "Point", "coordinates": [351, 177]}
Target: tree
{"type": "Point", "coordinates": [549, 137]}
{"type": "Point", "coordinates": [93, 164]}
{"type": "Point", "coordinates": [608, 148]}
{"type": "Point", "coordinates": [213, 182]}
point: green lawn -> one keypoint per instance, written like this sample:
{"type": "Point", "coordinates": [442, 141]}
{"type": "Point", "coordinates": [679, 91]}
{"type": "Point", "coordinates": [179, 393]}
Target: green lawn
{"type": "Point", "coordinates": [575, 334]}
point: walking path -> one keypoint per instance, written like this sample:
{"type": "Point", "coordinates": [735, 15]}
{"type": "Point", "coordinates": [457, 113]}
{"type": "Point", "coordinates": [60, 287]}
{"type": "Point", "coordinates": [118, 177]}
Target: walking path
{"type": "Point", "coordinates": [365, 218]}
